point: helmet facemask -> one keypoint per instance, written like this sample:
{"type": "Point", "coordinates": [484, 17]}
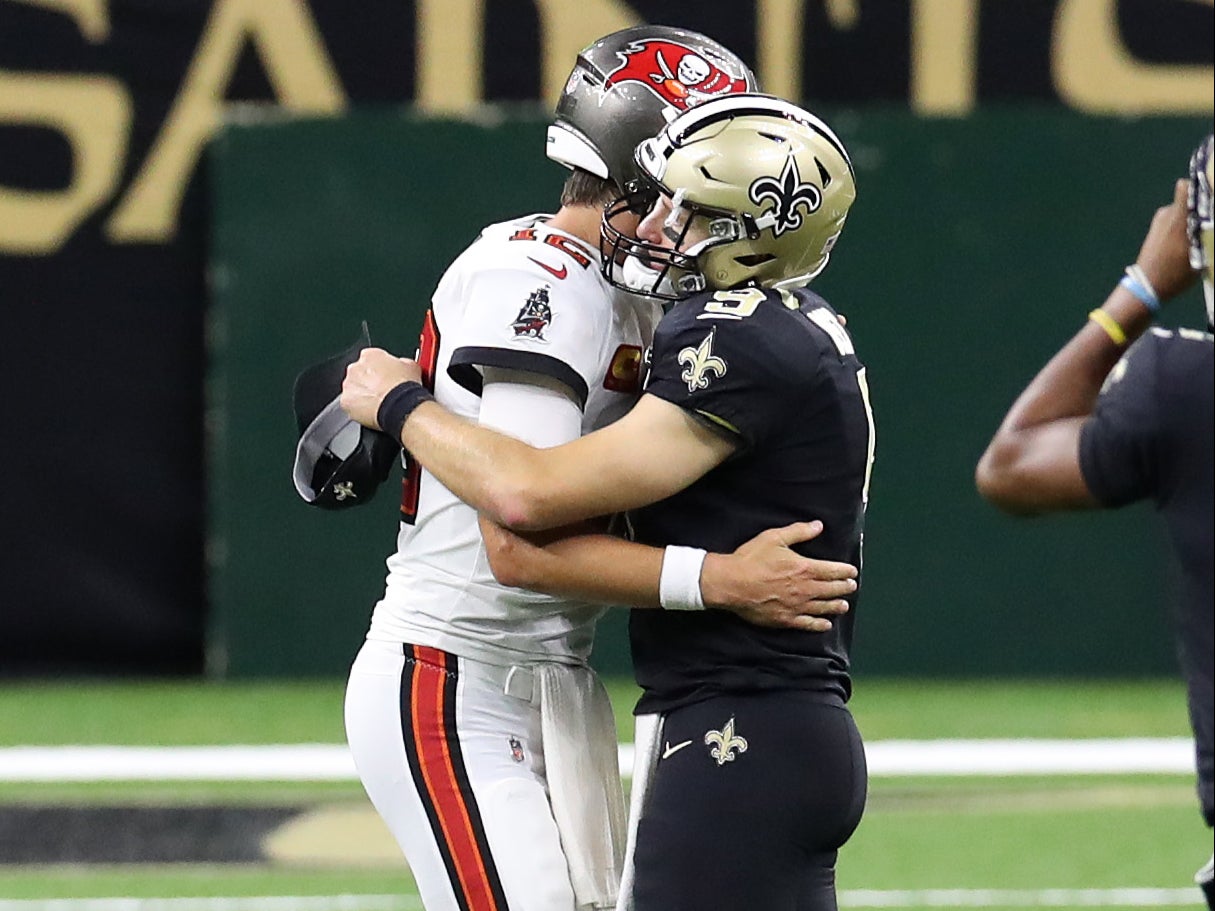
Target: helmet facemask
{"type": "Point", "coordinates": [655, 270]}
{"type": "Point", "coordinates": [1199, 221]}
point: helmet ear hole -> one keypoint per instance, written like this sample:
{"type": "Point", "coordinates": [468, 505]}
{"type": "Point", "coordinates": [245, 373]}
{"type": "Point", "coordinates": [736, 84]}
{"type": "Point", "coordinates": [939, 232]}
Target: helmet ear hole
{"type": "Point", "coordinates": [751, 260]}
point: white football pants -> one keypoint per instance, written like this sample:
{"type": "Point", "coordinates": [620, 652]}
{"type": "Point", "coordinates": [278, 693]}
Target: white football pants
{"type": "Point", "coordinates": [455, 766]}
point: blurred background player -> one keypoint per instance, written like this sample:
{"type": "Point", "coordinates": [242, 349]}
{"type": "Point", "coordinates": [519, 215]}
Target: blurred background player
{"type": "Point", "coordinates": [1111, 420]}
{"type": "Point", "coordinates": [751, 772]}
{"type": "Point", "coordinates": [480, 734]}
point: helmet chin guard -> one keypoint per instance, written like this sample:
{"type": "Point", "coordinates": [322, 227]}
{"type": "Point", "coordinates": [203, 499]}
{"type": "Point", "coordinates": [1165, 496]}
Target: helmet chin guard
{"type": "Point", "coordinates": [633, 276]}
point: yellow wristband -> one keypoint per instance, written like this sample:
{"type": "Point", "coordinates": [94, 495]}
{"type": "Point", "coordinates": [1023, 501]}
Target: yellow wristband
{"type": "Point", "coordinates": [1116, 333]}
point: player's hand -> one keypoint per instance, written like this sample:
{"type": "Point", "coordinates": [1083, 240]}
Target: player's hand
{"type": "Point", "coordinates": [767, 583]}
{"type": "Point", "coordinates": [370, 378]}
{"type": "Point", "coordinates": [1165, 254]}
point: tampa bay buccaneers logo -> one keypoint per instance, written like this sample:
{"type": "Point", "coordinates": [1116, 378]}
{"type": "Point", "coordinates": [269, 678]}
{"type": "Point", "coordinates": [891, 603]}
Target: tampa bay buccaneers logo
{"type": "Point", "coordinates": [535, 315]}
{"type": "Point", "coordinates": [679, 75]}
{"type": "Point", "coordinates": [787, 193]}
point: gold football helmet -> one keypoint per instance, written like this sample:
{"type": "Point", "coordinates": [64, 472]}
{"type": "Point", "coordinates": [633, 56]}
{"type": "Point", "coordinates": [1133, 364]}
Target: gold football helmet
{"type": "Point", "coordinates": [772, 183]}
{"type": "Point", "coordinates": [1199, 220]}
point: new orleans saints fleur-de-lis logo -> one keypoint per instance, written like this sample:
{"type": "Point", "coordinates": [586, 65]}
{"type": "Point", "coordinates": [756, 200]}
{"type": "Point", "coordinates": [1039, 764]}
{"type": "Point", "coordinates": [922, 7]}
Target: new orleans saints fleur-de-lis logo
{"type": "Point", "coordinates": [787, 193]}
{"type": "Point", "coordinates": [727, 742]}
{"type": "Point", "coordinates": [701, 364]}
{"type": "Point", "coordinates": [344, 490]}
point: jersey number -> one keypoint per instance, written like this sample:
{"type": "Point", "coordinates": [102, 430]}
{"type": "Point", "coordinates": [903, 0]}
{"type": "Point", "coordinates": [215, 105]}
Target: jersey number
{"type": "Point", "coordinates": [733, 304]}
{"type": "Point", "coordinates": [829, 323]}
{"type": "Point", "coordinates": [863, 382]}
{"type": "Point", "coordinates": [428, 356]}
{"type": "Point", "coordinates": [570, 248]}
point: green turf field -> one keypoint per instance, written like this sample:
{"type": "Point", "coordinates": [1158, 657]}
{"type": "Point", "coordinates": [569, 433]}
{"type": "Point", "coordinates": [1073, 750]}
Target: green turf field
{"type": "Point", "coordinates": [1006, 840]}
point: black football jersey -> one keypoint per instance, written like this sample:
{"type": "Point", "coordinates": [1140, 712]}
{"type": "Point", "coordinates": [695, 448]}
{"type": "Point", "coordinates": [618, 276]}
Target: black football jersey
{"type": "Point", "coordinates": [1152, 436]}
{"type": "Point", "coordinates": [778, 372]}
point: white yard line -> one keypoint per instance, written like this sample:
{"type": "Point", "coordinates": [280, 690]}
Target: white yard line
{"type": "Point", "coordinates": [854, 898]}
{"type": "Point", "coordinates": [1166, 755]}
{"type": "Point", "coordinates": [251, 903]}
{"type": "Point", "coordinates": [276, 762]}
{"type": "Point", "coordinates": [1020, 898]}
{"type": "Point", "coordinates": [332, 762]}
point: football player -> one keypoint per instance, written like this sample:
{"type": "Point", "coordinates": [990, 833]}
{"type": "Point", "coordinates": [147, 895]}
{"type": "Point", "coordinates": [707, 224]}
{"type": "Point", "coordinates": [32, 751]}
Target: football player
{"type": "Point", "coordinates": [1122, 414]}
{"type": "Point", "coordinates": [751, 772]}
{"type": "Point", "coordinates": [479, 732]}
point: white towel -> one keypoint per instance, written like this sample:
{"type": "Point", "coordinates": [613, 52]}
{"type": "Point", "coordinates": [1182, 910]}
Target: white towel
{"type": "Point", "coordinates": [647, 735]}
{"type": "Point", "coordinates": [583, 773]}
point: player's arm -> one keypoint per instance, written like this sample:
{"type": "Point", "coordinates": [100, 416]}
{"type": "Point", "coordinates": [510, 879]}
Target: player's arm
{"type": "Point", "coordinates": [652, 452]}
{"type": "Point", "coordinates": [765, 582]}
{"type": "Point", "coordinates": [1032, 464]}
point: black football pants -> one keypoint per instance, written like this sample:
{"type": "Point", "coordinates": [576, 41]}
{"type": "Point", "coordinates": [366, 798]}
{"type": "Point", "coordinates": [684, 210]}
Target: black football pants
{"type": "Point", "coordinates": [750, 800]}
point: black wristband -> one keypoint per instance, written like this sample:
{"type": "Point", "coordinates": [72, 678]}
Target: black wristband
{"type": "Point", "coordinates": [396, 407]}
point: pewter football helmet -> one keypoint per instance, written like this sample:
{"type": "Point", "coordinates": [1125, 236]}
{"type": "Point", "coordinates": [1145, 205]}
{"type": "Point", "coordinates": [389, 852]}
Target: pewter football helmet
{"type": "Point", "coordinates": [772, 182]}
{"type": "Point", "coordinates": [627, 85]}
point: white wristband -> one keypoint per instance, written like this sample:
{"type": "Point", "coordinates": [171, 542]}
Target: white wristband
{"type": "Point", "coordinates": [679, 584]}
{"type": "Point", "coordinates": [1136, 281]}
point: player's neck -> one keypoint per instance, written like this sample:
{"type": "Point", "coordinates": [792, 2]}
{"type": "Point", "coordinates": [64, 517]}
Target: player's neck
{"type": "Point", "coordinates": [580, 221]}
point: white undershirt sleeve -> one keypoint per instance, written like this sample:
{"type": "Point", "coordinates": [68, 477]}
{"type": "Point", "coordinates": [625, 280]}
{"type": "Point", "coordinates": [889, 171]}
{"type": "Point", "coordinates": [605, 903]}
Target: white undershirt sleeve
{"type": "Point", "coordinates": [536, 409]}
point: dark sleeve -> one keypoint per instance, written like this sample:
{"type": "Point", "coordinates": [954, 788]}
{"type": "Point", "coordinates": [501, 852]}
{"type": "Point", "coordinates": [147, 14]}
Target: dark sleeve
{"type": "Point", "coordinates": [1119, 443]}
{"type": "Point", "coordinates": [730, 373]}
{"type": "Point", "coordinates": [466, 363]}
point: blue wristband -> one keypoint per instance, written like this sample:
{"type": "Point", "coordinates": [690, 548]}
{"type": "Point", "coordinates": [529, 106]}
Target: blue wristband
{"type": "Point", "coordinates": [1137, 283]}
{"type": "Point", "coordinates": [396, 407]}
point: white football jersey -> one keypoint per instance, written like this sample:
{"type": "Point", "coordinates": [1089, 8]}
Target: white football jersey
{"type": "Point", "coordinates": [522, 297]}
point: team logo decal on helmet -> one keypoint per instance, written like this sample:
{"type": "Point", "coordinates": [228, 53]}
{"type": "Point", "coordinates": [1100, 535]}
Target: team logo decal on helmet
{"type": "Point", "coordinates": [702, 364]}
{"type": "Point", "coordinates": [677, 74]}
{"type": "Point", "coordinates": [787, 194]}
{"type": "Point", "coordinates": [535, 315]}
